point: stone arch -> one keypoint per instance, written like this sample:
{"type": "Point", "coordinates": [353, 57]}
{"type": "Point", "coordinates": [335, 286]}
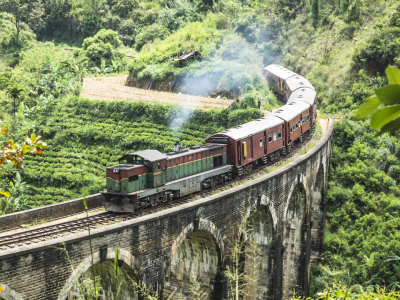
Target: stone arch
{"type": "Point", "coordinates": [123, 255]}
{"type": "Point", "coordinates": [259, 253]}
{"type": "Point", "coordinates": [295, 243]}
{"type": "Point", "coordinates": [271, 207]}
{"type": "Point", "coordinates": [318, 214]}
{"type": "Point", "coordinates": [9, 294]}
{"type": "Point", "coordinates": [300, 182]}
{"type": "Point", "coordinates": [196, 255]}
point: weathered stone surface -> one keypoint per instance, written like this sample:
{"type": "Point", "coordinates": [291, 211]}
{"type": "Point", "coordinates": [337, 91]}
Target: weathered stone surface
{"type": "Point", "coordinates": [286, 203]}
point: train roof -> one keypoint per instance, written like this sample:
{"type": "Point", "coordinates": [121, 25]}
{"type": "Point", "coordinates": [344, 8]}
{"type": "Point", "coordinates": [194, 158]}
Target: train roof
{"type": "Point", "coordinates": [279, 71]}
{"type": "Point", "coordinates": [296, 82]}
{"type": "Point", "coordinates": [248, 129]}
{"type": "Point", "coordinates": [150, 155]}
{"type": "Point", "coordinates": [306, 94]}
{"type": "Point", "coordinates": [289, 111]}
{"type": "Point", "coordinates": [194, 149]}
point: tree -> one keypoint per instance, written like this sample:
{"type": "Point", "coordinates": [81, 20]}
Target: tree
{"type": "Point", "coordinates": [315, 10]}
{"type": "Point", "coordinates": [15, 92]}
{"type": "Point", "coordinates": [17, 199]}
{"type": "Point", "coordinates": [14, 153]}
{"type": "Point", "coordinates": [29, 11]}
{"type": "Point", "coordinates": [386, 118]}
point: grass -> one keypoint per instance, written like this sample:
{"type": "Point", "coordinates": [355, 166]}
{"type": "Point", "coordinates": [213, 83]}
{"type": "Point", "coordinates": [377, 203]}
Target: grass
{"type": "Point", "coordinates": [3, 61]}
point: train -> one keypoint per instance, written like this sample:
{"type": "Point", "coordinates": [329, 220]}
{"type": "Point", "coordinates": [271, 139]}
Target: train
{"type": "Point", "coordinates": [148, 178]}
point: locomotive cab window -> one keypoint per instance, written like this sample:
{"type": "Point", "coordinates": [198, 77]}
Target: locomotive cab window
{"type": "Point", "coordinates": [270, 138]}
{"type": "Point", "coordinates": [149, 167]}
{"type": "Point", "coordinates": [279, 134]}
{"type": "Point", "coordinates": [261, 142]}
{"type": "Point", "coordinates": [133, 178]}
{"type": "Point", "coordinates": [157, 166]}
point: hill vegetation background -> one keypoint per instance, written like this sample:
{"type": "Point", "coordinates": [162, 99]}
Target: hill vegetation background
{"type": "Point", "coordinates": [341, 46]}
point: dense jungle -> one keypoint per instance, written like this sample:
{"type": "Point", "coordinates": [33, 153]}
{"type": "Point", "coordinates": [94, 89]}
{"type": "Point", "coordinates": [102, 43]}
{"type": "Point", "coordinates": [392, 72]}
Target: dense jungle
{"type": "Point", "coordinates": [49, 47]}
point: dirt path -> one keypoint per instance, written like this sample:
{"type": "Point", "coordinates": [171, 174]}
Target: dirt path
{"type": "Point", "coordinates": [324, 125]}
{"type": "Point", "coordinates": [114, 88]}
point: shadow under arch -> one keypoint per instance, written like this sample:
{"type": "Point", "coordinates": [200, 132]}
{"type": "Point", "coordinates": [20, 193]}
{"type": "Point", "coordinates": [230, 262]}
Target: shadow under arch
{"type": "Point", "coordinates": [295, 234]}
{"type": "Point", "coordinates": [9, 294]}
{"type": "Point", "coordinates": [123, 256]}
{"type": "Point", "coordinates": [196, 255]}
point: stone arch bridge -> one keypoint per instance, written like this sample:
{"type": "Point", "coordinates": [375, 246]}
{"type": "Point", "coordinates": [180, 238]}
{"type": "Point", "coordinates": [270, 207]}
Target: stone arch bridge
{"type": "Point", "coordinates": [279, 216]}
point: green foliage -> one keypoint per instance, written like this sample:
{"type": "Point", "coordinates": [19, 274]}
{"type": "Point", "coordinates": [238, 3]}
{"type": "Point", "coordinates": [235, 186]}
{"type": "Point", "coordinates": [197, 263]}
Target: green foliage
{"type": "Point", "coordinates": [103, 37]}
{"type": "Point", "coordinates": [178, 13]}
{"type": "Point", "coordinates": [382, 47]}
{"type": "Point", "coordinates": [103, 46]}
{"type": "Point", "coordinates": [8, 41]}
{"type": "Point", "coordinates": [201, 36]}
{"type": "Point", "coordinates": [17, 199]}
{"type": "Point", "coordinates": [363, 218]}
{"type": "Point", "coordinates": [149, 34]}
{"type": "Point", "coordinates": [248, 101]}
{"type": "Point", "coordinates": [385, 118]}
{"type": "Point", "coordinates": [315, 10]}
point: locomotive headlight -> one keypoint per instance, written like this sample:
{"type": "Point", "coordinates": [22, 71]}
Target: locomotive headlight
{"type": "Point", "coordinates": [116, 171]}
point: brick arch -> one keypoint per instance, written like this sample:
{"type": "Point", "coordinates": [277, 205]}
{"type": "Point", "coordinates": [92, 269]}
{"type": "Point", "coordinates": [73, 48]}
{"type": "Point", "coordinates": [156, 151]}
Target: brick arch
{"type": "Point", "coordinates": [196, 254]}
{"type": "Point", "coordinates": [294, 264]}
{"type": "Point", "coordinates": [258, 243]}
{"type": "Point", "coordinates": [123, 255]}
{"type": "Point", "coordinates": [271, 206]}
{"type": "Point", "coordinates": [203, 224]}
{"type": "Point", "coordinates": [9, 294]}
{"type": "Point", "coordinates": [302, 183]}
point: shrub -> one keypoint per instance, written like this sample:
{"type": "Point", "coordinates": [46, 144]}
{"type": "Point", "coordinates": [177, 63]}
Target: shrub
{"type": "Point", "coordinates": [102, 46]}
{"type": "Point", "coordinates": [248, 101]}
{"type": "Point", "coordinates": [104, 36]}
{"type": "Point", "coordinates": [149, 34]}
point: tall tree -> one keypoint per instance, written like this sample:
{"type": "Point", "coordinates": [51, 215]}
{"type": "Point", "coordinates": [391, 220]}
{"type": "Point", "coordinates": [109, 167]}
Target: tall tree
{"type": "Point", "coordinates": [315, 10]}
{"type": "Point", "coordinates": [28, 11]}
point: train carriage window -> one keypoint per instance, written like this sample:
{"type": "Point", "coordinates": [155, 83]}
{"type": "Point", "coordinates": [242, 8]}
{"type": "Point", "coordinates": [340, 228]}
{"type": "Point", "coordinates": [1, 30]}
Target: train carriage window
{"type": "Point", "coordinates": [297, 124]}
{"type": "Point", "coordinates": [274, 136]}
{"type": "Point", "coordinates": [261, 142]}
{"type": "Point", "coordinates": [270, 138]}
{"type": "Point", "coordinates": [279, 134]}
{"type": "Point", "coordinates": [291, 128]}
{"type": "Point", "coordinates": [249, 145]}
{"type": "Point", "coordinates": [133, 178]}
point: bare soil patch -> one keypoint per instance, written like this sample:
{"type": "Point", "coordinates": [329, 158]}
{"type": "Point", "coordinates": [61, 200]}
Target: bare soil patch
{"type": "Point", "coordinates": [114, 88]}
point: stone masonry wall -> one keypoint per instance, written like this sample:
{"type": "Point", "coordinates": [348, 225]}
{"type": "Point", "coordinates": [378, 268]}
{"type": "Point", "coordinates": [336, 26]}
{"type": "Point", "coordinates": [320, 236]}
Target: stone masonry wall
{"type": "Point", "coordinates": [148, 244]}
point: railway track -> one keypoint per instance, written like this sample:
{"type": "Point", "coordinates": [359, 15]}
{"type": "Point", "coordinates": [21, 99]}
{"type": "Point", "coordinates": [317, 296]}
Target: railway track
{"type": "Point", "coordinates": [53, 231]}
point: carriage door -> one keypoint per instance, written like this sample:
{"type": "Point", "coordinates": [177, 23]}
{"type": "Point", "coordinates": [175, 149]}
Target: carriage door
{"type": "Point", "coordinates": [238, 154]}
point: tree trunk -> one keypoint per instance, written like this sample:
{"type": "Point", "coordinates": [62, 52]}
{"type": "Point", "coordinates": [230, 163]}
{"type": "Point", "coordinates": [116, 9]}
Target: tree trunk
{"type": "Point", "coordinates": [18, 29]}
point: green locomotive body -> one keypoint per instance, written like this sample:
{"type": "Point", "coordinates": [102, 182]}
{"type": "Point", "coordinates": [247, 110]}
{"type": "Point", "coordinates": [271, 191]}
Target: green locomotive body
{"type": "Point", "coordinates": [147, 178]}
